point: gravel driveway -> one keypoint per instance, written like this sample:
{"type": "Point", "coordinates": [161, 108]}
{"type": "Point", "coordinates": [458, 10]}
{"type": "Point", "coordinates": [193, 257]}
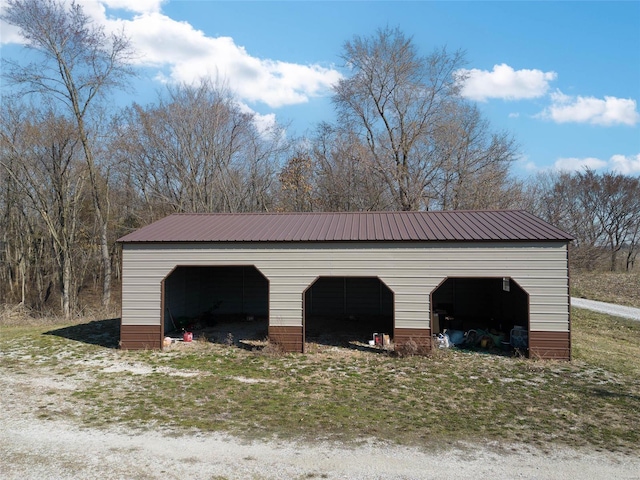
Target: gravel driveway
{"type": "Point", "coordinates": [34, 449]}
{"type": "Point", "coordinates": [608, 308]}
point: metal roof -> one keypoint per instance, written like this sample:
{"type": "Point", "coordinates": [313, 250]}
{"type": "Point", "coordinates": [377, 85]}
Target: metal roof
{"type": "Point", "coordinates": [451, 225]}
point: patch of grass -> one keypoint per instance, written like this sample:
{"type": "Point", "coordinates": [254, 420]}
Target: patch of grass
{"type": "Point", "coordinates": [340, 394]}
{"type": "Point", "coordinates": [609, 344]}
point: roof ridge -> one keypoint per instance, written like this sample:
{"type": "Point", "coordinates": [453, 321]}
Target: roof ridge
{"type": "Point", "coordinates": [367, 212]}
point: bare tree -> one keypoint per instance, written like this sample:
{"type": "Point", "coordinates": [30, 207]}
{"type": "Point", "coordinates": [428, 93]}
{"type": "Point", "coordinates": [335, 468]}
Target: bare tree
{"type": "Point", "coordinates": [602, 212]}
{"type": "Point", "coordinates": [42, 161]}
{"type": "Point", "coordinates": [197, 151]}
{"type": "Point", "coordinates": [345, 175]}
{"type": "Point", "coordinates": [77, 63]}
{"type": "Point", "coordinates": [633, 246]}
{"type": "Point", "coordinates": [474, 162]}
{"type": "Point", "coordinates": [614, 201]}
{"type": "Point", "coordinates": [19, 228]}
{"type": "Point", "coordinates": [15, 226]}
{"type": "Point", "coordinates": [555, 197]}
{"type": "Point", "coordinates": [394, 100]}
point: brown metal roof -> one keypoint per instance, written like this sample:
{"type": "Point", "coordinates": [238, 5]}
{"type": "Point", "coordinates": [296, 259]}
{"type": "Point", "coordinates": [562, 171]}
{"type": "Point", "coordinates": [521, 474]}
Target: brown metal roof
{"type": "Point", "coordinates": [452, 225]}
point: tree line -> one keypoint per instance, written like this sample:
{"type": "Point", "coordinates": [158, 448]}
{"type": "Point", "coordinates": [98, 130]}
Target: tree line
{"type": "Point", "coordinates": [77, 175]}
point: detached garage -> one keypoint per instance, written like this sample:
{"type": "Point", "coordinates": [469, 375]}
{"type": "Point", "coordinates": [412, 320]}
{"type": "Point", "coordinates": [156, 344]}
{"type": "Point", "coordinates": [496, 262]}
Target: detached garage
{"type": "Point", "coordinates": [411, 274]}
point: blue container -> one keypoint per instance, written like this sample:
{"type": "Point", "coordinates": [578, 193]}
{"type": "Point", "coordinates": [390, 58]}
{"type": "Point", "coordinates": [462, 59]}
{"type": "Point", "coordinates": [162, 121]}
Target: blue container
{"type": "Point", "coordinates": [519, 338]}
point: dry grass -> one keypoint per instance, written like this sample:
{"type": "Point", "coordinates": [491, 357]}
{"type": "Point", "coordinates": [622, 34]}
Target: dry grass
{"type": "Point", "coordinates": [610, 344]}
{"type": "Point", "coordinates": [21, 316]}
{"type": "Point", "coordinates": [620, 288]}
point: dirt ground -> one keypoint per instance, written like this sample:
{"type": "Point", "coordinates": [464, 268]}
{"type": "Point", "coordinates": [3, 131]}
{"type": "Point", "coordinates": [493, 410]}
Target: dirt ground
{"type": "Point", "coordinates": [35, 449]}
{"type": "Point", "coordinates": [33, 446]}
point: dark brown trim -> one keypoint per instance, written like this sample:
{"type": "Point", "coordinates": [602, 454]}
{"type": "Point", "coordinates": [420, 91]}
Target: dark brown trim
{"type": "Point", "coordinates": [550, 345]}
{"type": "Point", "coordinates": [140, 337]}
{"type": "Point", "coordinates": [291, 339]}
{"type": "Point", "coordinates": [569, 327]}
{"type": "Point", "coordinates": [410, 339]}
{"type": "Point", "coordinates": [162, 305]}
{"type": "Point", "coordinates": [162, 300]}
{"type": "Point", "coordinates": [304, 315]}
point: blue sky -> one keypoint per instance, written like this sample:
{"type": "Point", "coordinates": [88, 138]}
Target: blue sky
{"type": "Point", "coordinates": [562, 77]}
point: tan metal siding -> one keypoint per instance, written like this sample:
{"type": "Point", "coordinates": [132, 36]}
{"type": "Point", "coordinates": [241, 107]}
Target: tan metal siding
{"type": "Point", "coordinates": [411, 270]}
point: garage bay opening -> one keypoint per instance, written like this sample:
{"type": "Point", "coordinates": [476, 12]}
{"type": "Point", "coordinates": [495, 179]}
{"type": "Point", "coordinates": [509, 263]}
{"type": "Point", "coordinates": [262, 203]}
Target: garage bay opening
{"type": "Point", "coordinates": [224, 304]}
{"type": "Point", "coordinates": [348, 311]}
{"type": "Point", "coordinates": [490, 314]}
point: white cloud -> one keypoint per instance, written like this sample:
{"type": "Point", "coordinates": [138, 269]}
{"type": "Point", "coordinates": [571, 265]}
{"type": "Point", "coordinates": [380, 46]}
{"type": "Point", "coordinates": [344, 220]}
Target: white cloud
{"type": "Point", "coordinates": [163, 41]}
{"type": "Point", "coordinates": [573, 164]}
{"type": "Point", "coordinates": [525, 163]}
{"type": "Point", "coordinates": [626, 165]}
{"type": "Point", "coordinates": [265, 124]}
{"type": "Point", "coordinates": [8, 33]}
{"type": "Point", "coordinates": [183, 54]}
{"type": "Point", "coordinates": [504, 82]}
{"type": "Point", "coordinates": [188, 55]}
{"type": "Point", "coordinates": [608, 111]}
{"type": "Point", "coordinates": [530, 167]}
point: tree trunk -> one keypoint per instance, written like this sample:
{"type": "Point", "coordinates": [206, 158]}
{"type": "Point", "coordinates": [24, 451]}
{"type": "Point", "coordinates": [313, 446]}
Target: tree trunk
{"type": "Point", "coordinates": [66, 284]}
{"type": "Point", "coordinates": [23, 280]}
{"type": "Point", "coordinates": [98, 205]}
{"type": "Point", "coordinates": [614, 256]}
{"type": "Point", "coordinates": [106, 265]}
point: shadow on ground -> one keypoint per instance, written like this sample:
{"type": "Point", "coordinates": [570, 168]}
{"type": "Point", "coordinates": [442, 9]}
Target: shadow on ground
{"type": "Point", "coordinates": [252, 335]}
{"type": "Point", "coordinates": [104, 333]}
{"type": "Point", "coordinates": [608, 394]}
{"type": "Point", "coordinates": [248, 335]}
